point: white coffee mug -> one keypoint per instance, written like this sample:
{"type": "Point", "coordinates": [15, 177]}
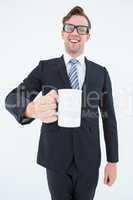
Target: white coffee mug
{"type": "Point", "coordinates": [69, 107]}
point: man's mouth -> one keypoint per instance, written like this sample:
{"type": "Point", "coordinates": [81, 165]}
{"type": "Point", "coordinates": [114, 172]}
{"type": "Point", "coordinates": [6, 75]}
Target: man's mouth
{"type": "Point", "coordinates": [74, 41]}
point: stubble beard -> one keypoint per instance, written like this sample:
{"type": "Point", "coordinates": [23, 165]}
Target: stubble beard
{"type": "Point", "coordinates": [74, 51]}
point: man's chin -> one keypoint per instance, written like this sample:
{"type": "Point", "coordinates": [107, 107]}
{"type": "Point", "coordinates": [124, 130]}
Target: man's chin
{"type": "Point", "coordinates": [74, 50]}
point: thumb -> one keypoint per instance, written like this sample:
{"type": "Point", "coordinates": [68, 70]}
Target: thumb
{"type": "Point", "coordinates": [106, 178]}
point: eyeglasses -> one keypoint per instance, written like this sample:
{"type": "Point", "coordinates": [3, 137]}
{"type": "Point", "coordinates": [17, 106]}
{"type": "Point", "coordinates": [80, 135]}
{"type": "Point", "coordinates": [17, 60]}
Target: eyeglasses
{"type": "Point", "coordinates": [81, 29]}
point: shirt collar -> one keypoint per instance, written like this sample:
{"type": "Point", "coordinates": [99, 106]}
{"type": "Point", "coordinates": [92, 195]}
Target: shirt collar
{"type": "Point", "coordinates": [67, 58]}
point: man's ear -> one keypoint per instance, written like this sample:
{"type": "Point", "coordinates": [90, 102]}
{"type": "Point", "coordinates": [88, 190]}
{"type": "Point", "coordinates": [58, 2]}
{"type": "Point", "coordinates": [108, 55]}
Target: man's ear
{"type": "Point", "coordinates": [62, 34]}
{"type": "Point", "coordinates": [88, 37]}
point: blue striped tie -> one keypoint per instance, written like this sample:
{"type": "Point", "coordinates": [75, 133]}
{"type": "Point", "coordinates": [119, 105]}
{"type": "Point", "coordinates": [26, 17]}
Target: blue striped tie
{"type": "Point", "coordinates": [73, 74]}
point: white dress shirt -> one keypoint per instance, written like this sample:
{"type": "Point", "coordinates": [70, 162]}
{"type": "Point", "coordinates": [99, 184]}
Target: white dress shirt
{"type": "Point", "coordinates": [81, 67]}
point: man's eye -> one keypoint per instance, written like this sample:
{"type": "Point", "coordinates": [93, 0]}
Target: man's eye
{"type": "Point", "coordinates": [82, 29]}
{"type": "Point", "coordinates": [69, 27]}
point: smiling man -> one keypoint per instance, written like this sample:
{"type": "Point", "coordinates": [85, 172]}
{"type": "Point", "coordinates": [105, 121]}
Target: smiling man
{"type": "Point", "coordinates": [75, 34]}
{"type": "Point", "coordinates": [71, 156]}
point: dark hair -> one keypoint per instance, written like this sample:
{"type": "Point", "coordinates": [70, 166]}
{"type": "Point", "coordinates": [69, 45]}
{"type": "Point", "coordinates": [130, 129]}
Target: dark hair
{"type": "Point", "coordinates": [77, 10]}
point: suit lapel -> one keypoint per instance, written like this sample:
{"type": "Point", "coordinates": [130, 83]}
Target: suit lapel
{"type": "Point", "coordinates": [63, 72]}
{"type": "Point", "coordinates": [87, 74]}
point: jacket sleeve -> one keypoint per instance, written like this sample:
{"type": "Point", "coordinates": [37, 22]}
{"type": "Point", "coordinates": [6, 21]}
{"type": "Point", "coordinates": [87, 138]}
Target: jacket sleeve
{"type": "Point", "coordinates": [109, 120]}
{"type": "Point", "coordinates": [17, 100]}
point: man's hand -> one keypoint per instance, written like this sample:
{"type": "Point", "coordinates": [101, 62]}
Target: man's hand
{"type": "Point", "coordinates": [43, 108]}
{"type": "Point", "coordinates": [110, 173]}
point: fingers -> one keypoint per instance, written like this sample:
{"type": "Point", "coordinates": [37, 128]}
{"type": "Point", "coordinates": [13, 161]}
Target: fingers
{"type": "Point", "coordinates": [48, 107]}
{"type": "Point", "coordinates": [50, 113]}
{"type": "Point", "coordinates": [49, 98]}
{"type": "Point", "coordinates": [110, 174]}
{"type": "Point", "coordinates": [52, 94]}
{"type": "Point", "coordinates": [106, 178]}
{"type": "Point", "coordinates": [50, 119]}
{"type": "Point", "coordinates": [109, 180]}
{"type": "Point", "coordinates": [48, 116]}
{"type": "Point", "coordinates": [45, 107]}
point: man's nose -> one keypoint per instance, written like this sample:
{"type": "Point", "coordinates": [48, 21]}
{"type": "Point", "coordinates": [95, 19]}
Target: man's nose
{"type": "Point", "coordinates": [75, 32]}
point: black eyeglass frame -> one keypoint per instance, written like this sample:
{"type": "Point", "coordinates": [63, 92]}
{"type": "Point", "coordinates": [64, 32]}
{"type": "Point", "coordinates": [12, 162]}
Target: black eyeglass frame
{"type": "Point", "coordinates": [76, 26]}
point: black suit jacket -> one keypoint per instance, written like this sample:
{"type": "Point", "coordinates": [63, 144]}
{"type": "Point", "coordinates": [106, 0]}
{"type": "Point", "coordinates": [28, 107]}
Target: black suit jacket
{"type": "Point", "coordinates": [57, 145]}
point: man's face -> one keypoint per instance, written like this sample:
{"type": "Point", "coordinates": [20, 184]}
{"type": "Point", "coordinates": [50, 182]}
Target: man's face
{"type": "Point", "coordinates": [74, 42]}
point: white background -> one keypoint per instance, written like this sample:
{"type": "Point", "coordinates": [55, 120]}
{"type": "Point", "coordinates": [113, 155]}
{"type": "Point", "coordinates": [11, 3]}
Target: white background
{"type": "Point", "coordinates": [30, 31]}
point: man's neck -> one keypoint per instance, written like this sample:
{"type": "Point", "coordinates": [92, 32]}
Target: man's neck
{"type": "Point", "coordinates": [74, 55]}
{"type": "Point", "coordinates": [68, 57]}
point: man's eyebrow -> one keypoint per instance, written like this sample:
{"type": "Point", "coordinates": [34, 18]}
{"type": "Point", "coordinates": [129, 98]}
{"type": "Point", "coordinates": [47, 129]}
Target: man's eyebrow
{"type": "Point", "coordinates": [77, 24]}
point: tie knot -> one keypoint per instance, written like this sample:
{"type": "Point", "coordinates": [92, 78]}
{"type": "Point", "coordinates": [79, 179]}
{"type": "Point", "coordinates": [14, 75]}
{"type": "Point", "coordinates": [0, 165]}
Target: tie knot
{"type": "Point", "coordinates": [73, 61]}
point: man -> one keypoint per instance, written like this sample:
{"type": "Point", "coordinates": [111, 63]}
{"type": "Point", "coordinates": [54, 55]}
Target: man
{"type": "Point", "coordinates": [71, 156]}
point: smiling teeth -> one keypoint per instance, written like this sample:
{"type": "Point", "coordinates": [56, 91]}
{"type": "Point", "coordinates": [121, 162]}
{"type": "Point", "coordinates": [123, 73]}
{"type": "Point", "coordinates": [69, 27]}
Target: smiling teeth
{"type": "Point", "coordinates": [74, 41]}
